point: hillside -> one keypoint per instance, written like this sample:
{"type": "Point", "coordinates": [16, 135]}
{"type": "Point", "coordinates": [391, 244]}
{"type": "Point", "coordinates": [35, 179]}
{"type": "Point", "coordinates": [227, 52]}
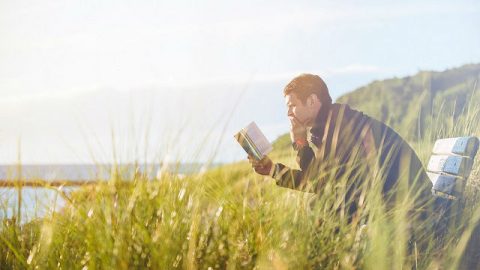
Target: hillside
{"type": "Point", "coordinates": [411, 104]}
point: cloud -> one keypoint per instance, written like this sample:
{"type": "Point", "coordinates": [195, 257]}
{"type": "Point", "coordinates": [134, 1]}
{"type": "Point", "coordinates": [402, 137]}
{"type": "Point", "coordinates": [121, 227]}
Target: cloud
{"type": "Point", "coordinates": [15, 99]}
{"type": "Point", "coordinates": [233, 82]}
{"type": "Point", "coordinates": [354, 69]}
{"type": "Point", "coordinates": [131, 52]}
{"type": "Point", "coordinates": [306, 16]}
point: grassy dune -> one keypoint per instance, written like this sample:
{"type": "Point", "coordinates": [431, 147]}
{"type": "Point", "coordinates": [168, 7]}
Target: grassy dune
{"type": "Point", "coordinates": [232, 218]}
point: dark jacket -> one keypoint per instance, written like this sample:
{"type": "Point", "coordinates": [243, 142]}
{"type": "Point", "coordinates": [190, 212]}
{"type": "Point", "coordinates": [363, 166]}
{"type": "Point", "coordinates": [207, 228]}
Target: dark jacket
{"type": "Point", "coordinates": [349, 146]}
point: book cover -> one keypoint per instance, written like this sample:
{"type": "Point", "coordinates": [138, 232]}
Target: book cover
{"type": "Point", "coordinates": [253, 141]}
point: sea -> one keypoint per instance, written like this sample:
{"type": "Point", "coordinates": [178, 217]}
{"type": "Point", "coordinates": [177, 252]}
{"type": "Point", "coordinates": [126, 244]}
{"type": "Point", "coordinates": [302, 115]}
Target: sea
{"type": "Point", "coordinates": [37, 202]}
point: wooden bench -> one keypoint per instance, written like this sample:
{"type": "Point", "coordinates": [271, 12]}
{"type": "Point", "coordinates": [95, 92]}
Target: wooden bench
{"type": "Point", "coordinates": [450, 166]}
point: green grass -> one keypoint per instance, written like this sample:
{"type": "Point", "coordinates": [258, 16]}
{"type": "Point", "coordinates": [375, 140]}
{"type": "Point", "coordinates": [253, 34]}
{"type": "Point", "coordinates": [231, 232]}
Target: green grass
{"type": "Point", "coordinates": [231, 218]}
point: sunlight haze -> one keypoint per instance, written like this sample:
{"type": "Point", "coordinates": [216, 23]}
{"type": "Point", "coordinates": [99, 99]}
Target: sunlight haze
{"type": "Point", "coordinates": [76, 75]}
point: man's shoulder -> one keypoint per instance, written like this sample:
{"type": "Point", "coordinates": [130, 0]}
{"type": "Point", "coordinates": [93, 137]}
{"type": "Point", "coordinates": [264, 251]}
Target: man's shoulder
{"type": "Point", "coordinates": [360, 118]}
{"type": "Point", "coordinates": [339, 109]}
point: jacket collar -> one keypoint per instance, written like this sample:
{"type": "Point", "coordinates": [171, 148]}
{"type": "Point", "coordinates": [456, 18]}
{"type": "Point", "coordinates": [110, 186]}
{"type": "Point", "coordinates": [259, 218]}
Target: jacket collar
{"type": "Point", "coordinates": [318, 127]}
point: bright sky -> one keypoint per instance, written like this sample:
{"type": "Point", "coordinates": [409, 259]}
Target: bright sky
{"type": "Point", "coordinates": [73, 71]}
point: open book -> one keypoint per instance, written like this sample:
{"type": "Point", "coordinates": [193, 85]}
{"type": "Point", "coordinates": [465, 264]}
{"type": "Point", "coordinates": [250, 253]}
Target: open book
{"type": "Point", "coordinates": [253, 141]}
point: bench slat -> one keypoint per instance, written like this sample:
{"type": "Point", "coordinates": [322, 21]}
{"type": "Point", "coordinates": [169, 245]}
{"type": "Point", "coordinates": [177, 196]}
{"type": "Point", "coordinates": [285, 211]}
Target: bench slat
{"type": "Point", "coordinates": [456, 165]}
{"type": "Point", "coordinates": [451, 164]}
{"type": "Point", "coordinates": [463, 146]}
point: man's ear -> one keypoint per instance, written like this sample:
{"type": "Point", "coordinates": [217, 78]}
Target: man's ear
{"type": "Point", "coordinates": [312, 99]}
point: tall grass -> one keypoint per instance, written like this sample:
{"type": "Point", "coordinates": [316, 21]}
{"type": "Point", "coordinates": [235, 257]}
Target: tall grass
{"type": "Point", "coordinates": [231, 218]}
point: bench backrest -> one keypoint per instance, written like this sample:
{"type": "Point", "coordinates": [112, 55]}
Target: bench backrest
{"type": "Point", "coordinates": [450, 165]}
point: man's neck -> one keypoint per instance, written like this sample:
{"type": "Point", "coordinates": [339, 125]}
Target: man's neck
{"type": "Point", "coordinates": [311, 121]}
{"type": "Point", "coordinates": [321, 115]}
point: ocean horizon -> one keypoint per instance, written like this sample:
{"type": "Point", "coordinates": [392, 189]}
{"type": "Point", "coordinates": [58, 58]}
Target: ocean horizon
{"type": "Point", "coordinates": [37, 202]}
{"type": "Point", "coordinates": [87, 171]}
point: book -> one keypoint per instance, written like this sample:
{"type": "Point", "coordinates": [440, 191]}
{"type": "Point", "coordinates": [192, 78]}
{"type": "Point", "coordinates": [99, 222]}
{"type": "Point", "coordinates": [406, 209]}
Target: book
{"type": "Point", "coordinates": [253, 141]}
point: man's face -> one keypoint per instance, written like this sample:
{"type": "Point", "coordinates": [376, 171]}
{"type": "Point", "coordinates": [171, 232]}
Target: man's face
{"type": "Point", "coordinates": [296, 109]}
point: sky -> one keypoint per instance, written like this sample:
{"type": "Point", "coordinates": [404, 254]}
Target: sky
{"type": "Point", "coordinates": [96, 81]}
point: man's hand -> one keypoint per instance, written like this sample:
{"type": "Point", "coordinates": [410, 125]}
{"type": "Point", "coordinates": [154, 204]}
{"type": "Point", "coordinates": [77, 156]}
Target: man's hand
{"type": "Point", "coordinates": [298, 132]}
{"type": "Point", "coordinates": [262, 167]}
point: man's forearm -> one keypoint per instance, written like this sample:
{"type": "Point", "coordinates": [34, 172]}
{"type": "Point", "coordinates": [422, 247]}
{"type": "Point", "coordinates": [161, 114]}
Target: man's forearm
{"type": "Point", "coordinates": [305, 156]}
{"type": "Point", "coordinates": [291, 178]}
{"type": "Point", "coordinates": [287, 177]}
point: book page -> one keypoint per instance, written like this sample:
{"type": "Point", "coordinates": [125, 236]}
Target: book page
{"type": "Point", "coordinates": [258, 139]}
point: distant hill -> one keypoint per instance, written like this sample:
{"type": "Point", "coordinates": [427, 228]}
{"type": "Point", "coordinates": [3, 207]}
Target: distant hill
{"type": "Point", "coordinates": [413, 104]}
{"type": "Point", "coordinates": [410, 104]}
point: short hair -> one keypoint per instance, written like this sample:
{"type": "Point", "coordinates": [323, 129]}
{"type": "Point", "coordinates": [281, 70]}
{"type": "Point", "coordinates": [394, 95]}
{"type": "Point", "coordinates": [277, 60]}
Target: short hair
{"type": "Point", "coordinates": [306, 84]}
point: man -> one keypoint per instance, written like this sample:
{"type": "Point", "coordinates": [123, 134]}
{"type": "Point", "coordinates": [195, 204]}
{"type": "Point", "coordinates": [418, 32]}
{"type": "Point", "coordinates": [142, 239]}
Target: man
{"type": "Point", "coordinates": [337, 144]}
